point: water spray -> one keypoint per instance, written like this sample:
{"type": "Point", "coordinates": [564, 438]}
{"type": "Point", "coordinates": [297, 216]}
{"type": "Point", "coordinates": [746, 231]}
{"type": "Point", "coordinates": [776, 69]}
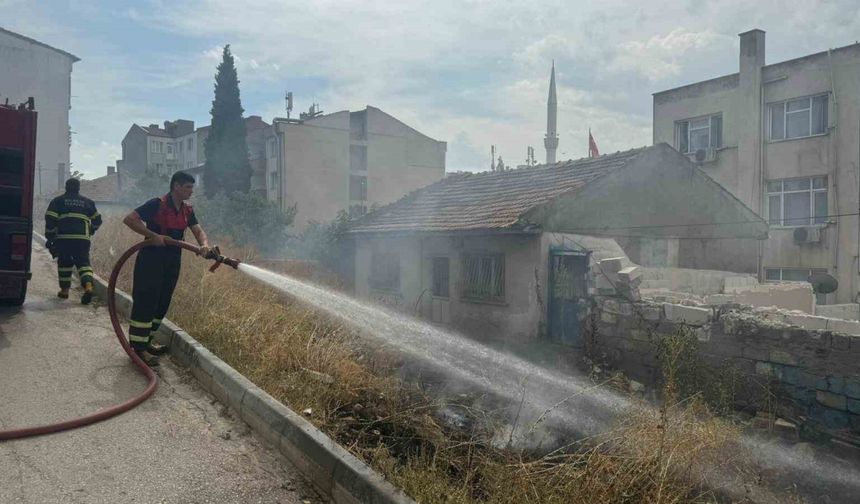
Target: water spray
{"type": "Point", "coordinates": [214, 254]}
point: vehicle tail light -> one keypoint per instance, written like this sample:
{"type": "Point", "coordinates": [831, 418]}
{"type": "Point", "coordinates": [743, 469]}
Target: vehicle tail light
{"type": "Point", "coordinates": [18, 250]}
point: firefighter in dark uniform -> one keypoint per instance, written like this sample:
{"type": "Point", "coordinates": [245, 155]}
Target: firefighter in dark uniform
{"type": "Point", "coordinates": [70, 222]}
{"type": "Point", "coordinates": [157, 267]}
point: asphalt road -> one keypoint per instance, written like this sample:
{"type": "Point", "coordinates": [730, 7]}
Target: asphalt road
{"type": "Point", "coordinates": [59, 360]}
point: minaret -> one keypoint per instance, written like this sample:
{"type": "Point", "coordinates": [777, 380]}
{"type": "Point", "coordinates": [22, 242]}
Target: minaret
{"type": "Point", "coordinates": [551, 139]}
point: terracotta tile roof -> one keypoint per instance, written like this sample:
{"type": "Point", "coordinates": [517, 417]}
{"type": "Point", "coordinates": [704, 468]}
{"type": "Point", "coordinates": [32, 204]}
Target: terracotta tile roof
{"type": "Point", "coordinates": [489, 200]}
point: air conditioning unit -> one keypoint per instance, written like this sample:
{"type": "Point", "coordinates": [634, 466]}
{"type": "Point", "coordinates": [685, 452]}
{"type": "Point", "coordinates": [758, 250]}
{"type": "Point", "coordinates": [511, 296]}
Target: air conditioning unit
{"type": "Point", "coordinates": [807, 234]}
{"type": "Point", "coordinates": [704, 155]}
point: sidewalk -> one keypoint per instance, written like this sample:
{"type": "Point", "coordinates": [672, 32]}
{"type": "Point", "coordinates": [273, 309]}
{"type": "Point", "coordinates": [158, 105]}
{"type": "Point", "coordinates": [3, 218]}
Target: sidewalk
{"type": "Point", "coordinates": [59, 360]}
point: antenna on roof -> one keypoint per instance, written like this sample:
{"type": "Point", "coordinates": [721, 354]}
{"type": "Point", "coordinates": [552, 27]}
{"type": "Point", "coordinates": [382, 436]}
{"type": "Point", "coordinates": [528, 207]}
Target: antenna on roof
{"type": "Point", "coordinates": [492, 158]}
{"type": "Point", "coordinates": [289, 100]}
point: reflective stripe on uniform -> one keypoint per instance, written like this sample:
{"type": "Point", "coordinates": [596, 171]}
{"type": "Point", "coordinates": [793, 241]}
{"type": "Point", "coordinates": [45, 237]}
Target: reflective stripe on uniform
{"type": "Point", "coordinates": [66, 268]}
{"type": "Point", "coordinates": [138, 339]}
{"type": "Point", "coordinates": [74, 215]}
{"type": "Point", "coordinates": [51, 230]}
{"type": "Point", "coordinates": [156, 321]}
{"type": "Point", "coordinates": [93, 216]}
{"type": "Point", "coordinates": [72, 237]}
{"type": "Point", "coordinates": [52, 213]}
{"type": "Point", "coordinates": [85, 269]}
{"type": "Point", "coordinates": [140, 325]}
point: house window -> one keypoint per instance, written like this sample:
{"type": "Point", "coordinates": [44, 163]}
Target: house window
{"type": "Point", "coordinates": [798, 118]}
{"type": "Point", "coordinates": [358, 187]}
{"type": "Point", "coordinates": [155, 146]}
{"type": "Point", "coordinates": [357, 158]}
{"type": "Point", "coordinates": [797, 201]}
{"type": "Point", "coordinates": [190, 143]}
{"type": "Point", "coordinates": [701, 133]}
{"type": "Point", "coordinates": [484, 277]}
{"type": "Point", "coordinates": [273, 180]}
{"type": "Point", "coordinates": [385, 271]}
{"type": "Point", "coordinates": [441, 272]}
{"type": "Point", "coordinates": [781, 275]}
{"type": "Point", "coordinates": [179, 146]}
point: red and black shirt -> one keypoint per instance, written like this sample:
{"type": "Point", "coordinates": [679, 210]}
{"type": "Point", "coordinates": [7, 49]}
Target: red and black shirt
{"type": "Point", "coordinates": [161, 216]}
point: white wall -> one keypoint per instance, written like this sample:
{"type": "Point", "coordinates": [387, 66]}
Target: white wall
{"type": "Point", "coordinates": [30, 69]}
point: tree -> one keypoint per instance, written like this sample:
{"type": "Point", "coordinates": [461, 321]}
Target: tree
{"type": "Point", "coordinates": [227, 167]}
{"type": "Point", "coordinates": [141, 187]}
{"type": "Point", "coordinates": [246, 219]}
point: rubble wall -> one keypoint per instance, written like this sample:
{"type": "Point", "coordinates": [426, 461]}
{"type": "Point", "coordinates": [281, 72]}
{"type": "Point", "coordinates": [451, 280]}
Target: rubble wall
{"type": "Point", "coordinates": [814, 374]}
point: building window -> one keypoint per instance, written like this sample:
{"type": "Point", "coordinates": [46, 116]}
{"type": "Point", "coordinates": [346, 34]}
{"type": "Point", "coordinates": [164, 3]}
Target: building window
{"type": "Point", "coordinates": [701, 133]}
{"type": "Point", "coordinates": [358, 188]}
{"type": "Point", "coordinates": [781, 275]}
{"type": "Point", "coordinates": [441, 274]}
{"type": "Point", "coordinates": [798, 118]}
{"type": "Point", "coordinates": [190, 143]}
{"type": "Point", "coordinates": [357, 158]}
{"type": "Point", "coordinates": [797, 201]}
{"type": "Point", "coordinates": [385, 271]}
{"type": "Point", "coordinates": [484, 277]}
{"type": "Point", "coordinates": [273, 180]}
{"type": "Point", "coordinates": [179, 146]}
{"type": "Point", "coordinates": [154, 146]}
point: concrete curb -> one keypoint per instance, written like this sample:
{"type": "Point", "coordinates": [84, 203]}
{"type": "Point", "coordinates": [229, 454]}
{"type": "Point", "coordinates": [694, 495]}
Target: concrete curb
{"type": "Point", "coordinates": [334, 471]}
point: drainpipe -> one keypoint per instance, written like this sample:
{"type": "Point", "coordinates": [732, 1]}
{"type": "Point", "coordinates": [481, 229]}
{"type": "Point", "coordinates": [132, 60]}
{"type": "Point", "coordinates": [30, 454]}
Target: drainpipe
{"type": "Point", "coordinates": [761, 161]}
{"type": "Point", "coordinates": [835, 161]}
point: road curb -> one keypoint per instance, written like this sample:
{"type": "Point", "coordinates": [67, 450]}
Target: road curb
{"type": "Point", "coordinates": [338, 474]}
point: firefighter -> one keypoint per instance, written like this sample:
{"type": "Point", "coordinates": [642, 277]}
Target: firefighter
{"type": "Point", "coordinates": [70, 222]}
{"type": "Point", "coordinates": [157, 267]}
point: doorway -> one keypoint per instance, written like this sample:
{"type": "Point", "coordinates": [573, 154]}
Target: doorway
{"type": "Point", "coordinates": [568, 296]}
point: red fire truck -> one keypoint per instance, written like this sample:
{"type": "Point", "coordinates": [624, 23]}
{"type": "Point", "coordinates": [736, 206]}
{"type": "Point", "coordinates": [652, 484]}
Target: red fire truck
{"type": "Point", "coordinates": [17, 166]}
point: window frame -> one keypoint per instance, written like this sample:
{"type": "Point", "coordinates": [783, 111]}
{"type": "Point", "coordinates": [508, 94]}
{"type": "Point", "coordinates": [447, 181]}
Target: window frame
{"type": "Point", "coordinates": [433, 278]}
{"type": "Point", "coordinates": [811, 189]}
{"type": "Point", "coordinates": [382, 261]}
{"type": "Point", "coordinates": [785, 113]}
{"type": "Point", "coordinates": [495, 292]}
{"type": "Point", "coordinates": [712, 143]}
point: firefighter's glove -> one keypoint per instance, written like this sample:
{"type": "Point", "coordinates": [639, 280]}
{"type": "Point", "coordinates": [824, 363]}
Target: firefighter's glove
{"type": "Point", "coordinates": [52, 248]}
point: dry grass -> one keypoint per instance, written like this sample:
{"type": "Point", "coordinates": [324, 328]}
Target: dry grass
{"type": "Point", "coordinates": [310, 362]}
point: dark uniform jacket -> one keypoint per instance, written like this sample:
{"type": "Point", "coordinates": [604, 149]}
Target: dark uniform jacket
{"type": "Point", "coordinates": [162, 217]}
{"type": "Point", "coordinates": [71, 217]}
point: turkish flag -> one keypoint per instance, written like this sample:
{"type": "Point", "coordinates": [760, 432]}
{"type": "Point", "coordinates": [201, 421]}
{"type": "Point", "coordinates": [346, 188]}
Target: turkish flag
{"type": "Point", "coordinates": [592, 146]}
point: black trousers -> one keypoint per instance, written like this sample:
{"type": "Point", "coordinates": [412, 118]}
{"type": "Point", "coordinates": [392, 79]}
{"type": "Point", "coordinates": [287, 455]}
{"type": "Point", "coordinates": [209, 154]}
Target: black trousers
{"type": "Point", "coordinates": [71, 254]}
{"type": "Point", "coordinates": [155, 274]}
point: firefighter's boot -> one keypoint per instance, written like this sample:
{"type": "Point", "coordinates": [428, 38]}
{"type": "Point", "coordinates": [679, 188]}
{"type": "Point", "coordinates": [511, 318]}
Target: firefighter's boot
{"type": "Point", "coordinates": [63, 294]}
{"type": "Point", "coordinates": [147, 358]}
{"type": "Point", "coordinates": [87, 296]}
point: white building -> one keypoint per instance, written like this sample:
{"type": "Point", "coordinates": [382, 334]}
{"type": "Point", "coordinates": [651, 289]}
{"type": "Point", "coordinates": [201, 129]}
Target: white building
{"type": "Point", "coordinates": [347, 161]}
{"type": "Point", "coordinates": [784, 139]}
{"type": "Point", "coordinates": [30, 68]}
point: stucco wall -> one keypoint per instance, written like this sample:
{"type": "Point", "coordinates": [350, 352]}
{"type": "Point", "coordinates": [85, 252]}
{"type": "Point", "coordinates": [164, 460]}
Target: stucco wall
{"type": "Point", "coordinates": [28, 69]}
{"type": "Point", "coordinates": [516, 318]}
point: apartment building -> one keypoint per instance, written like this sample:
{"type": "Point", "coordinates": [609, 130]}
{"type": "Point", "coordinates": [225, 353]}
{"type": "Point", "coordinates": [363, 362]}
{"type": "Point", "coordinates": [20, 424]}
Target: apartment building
{"type": "Point", "coordinates": [347, 161]}
{"type": "Point", "coordinates": [784, 138]}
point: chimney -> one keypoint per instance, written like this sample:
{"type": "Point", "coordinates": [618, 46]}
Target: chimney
{"type": "Point", "coordinates": [111, 170]}
{"type": "Point", "coordinates": [751, 55]}
{"type": "Point", "coordinates": [153, 126]}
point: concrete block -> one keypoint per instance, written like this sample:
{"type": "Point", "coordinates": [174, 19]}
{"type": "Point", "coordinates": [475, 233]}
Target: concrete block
{"type": "Point", "coordinates": [689, 315]}
{"type": "Point", "coordinates": [843, 326]}
{"type": "Point", "coordinates": [836, 384]}
{"type": "Point", "coordinates": [611, 266]}
{"type": "Point", "coordinates": [853, 406]}
{"type": "Point", "coordinates": [806, 321]}
{"type": "Point", "coordinates": [811, 381]}
{"type": "Point", "coordinates": [831, 400]}
{"type": "Point", "coordinates": [790, 375]}
{"type": "Point", "coordinates": [631, 276]}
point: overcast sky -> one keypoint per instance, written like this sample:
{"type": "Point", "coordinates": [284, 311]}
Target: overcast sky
{"type": "Point", "coordinates": [472, 73]}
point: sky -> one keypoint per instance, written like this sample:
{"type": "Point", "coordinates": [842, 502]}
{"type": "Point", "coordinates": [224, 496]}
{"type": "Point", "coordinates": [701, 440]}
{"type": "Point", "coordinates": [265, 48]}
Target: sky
{"type": "Point", "coordinates": [473, 73]}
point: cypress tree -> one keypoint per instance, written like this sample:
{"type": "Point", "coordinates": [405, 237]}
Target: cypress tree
{"type": "Point", "coordinates": [227, 167]}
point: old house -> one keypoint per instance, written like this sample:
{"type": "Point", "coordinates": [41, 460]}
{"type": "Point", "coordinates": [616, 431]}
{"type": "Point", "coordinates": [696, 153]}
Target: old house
{"type": "Point", "coordinates": [506, 255]}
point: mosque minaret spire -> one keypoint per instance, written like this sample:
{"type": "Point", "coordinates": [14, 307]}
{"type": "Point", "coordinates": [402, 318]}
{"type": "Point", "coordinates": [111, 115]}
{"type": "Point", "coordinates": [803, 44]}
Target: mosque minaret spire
{"type": "Point", "coordinates": [551, 139]}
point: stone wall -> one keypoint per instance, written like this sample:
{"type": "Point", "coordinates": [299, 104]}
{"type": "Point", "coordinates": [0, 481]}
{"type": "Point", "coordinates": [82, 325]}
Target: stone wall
{"type": "Point", "coordinates": [814, 374]}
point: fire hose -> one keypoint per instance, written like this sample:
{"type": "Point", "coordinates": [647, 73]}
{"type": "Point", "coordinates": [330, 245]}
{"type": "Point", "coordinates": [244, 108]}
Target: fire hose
{"type": "Point", "coordinates": [152, 379]}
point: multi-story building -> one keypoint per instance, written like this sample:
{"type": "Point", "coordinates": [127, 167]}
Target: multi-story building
{"type": "Point", "coordinates": [178, 146]}
{"type": "Point", "coordinates": [784, 139]}
{"type": "Point", "coordinates": [347, 161]}
{"type": "Point", "coordinates": [30, 68]}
